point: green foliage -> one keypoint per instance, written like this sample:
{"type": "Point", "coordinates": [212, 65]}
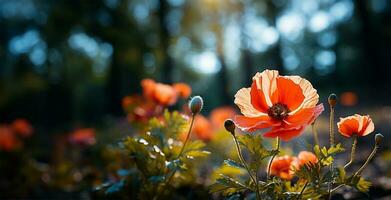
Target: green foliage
{"type": "Point", "coordinates": [325, 155]}
{"type": "Point", "coordinates": [156, 159]}
{"type": "Point", "coordinates": [227, 185]}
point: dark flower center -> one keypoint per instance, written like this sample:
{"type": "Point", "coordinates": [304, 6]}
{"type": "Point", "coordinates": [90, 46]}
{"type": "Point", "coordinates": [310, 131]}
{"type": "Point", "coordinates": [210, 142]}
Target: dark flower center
{"type": "Point", "coordinates": [278, 111]}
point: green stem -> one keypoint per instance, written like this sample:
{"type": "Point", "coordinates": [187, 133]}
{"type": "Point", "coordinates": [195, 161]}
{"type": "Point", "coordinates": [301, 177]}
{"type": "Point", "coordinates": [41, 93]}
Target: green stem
{"type": "Point", "coordinates": [336, 188]}
{"type": "Point", "coordinates": [331, 126]}
{"type": "Point", "coordinates": [255, 180]}
{"type": "Point", "coordinates": [188, 135]}
{"type": "Point", "coordinates": [315, 132]}
{"type": "Point", "coordinates": [179, 156]}
{"type": "Point", "coordinates": [331, 145]}
{"type": "Point", "coordinates": [368, 160]}
{"type": "Point", "coordinates": [352, 153]}
{"type": "Point", "coordinates": [271, 160]}
{"type": "Point", "coordinates": [302, 190]}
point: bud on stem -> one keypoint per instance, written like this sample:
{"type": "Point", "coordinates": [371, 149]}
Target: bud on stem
{"type": "Point", "coordinates": [230, 126]}
{"type": "Point", "coordinates": [378, 139]}
{"type": "Point", "coordinates": [196, 103]}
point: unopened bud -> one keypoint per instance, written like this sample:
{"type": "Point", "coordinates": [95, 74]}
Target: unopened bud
{"type": "Point", "coordinates": [378, 138]}
{"type": "Point", "coordinates": [196, 103]}
{"type": "Point", "coordinates": [230, 126]}
{"type": "Point", "coordinates": [332, 100]}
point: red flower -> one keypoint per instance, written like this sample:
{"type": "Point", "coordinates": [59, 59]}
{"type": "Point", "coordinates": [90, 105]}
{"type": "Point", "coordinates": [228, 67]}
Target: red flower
{"type": "Point", "coordinates": [304, 157]}
{"type": "Point", "coordinates": [281, 167]}
{"type": "Point", "coordinates": [286, 104]}
{"type": "Point", "coordinates": [356, 125]}
{"type": "Point", "coordinates": [161, 93]}
{"type": "Point", "coordinates": [202, 128]}
{"type": "Point", "coordinates": [22, 127]}
{"type": "Point", "coordinates": [8, 141]}
{"type": "Point", "coordinates": [182, 89]}
{"type": "Point", "coordinates": [83, 137]}
{"type": "Point", "coordinates": [219, 115]}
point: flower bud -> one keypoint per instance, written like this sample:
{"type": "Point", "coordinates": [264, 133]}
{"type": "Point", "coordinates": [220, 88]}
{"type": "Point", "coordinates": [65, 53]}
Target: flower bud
{"type": "Point", "coordinates": [332, 100]}
{"type": "Point", "coordinates": [230, 126]}
{"type": "Point", "coordinates": [378, 138]}
{"type": "Point", "coordinates": [196, 103]}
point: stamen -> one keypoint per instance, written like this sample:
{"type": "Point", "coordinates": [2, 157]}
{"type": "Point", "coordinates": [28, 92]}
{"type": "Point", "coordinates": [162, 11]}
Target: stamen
{"type": "Point", "coordinates": [279, 111]}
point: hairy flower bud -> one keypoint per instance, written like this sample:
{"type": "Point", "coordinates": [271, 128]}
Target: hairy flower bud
{"type": "Point", "coordinates": [196, 103]}
{"type": "Point", "coordinates": [378, 138]}
{"type": "Point", "coordinates": [332, 100]}
{"type": "Point", "coordinates": [230, 126]}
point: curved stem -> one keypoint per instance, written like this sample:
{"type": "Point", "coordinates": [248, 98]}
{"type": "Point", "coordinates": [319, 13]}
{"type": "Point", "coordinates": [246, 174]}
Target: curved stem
{"type": "Point", "coordinates": [332, 126]}
{"type": "Point", "coordinates": [331, 145]}
{"type": "Point", "coordinates": [302, 190]}
{"type": "Point", "coordinates": [271, 160]}
{"type": "Point", "coordinates": [352, 153]}
{"type": "Point", "coordinates": [336, 188]}
{"type": "Point", "coordinates": [179, 155]}
{"type": "Point", "coordinates": [255, 180]}
{"type": "Point", "coordinates": [188, 135]}
{"type": "Point", "coordinates": [315, 132]}
{"type": "Point", "coordinates": [367, 161]}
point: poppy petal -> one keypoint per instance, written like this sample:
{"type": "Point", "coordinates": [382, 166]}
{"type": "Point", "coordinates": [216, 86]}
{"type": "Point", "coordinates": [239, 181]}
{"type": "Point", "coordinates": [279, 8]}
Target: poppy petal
{"type": "Point", "coordinates": [258, 98]}
{"type": "Point", "coordinates": [285, 134]}
{"type": "Point", "coordinates": [253, 123]}
{"type": "Point", "coordinates": [289, 93]}
{"type": "Point", "coordinates": [348, 126]}
{"type": "Point", "coordinates": [305, 116]}
{"type": "Point", "coordinates": [243, 101]}
{"type": "Point", "coordinates": [367, 126]}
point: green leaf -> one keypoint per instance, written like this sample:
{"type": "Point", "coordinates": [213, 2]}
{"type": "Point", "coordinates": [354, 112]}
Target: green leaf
{"type": "Point", "coordinates": [359, 183]}
{"type": "Point", "coordinates": [253, 144]}
{"type": "Point", "coordinates": [233, 163]}
{"type": "Point", "coordinates": [325, 156]}
{"type": "Point", "coordinates": [227, 185]}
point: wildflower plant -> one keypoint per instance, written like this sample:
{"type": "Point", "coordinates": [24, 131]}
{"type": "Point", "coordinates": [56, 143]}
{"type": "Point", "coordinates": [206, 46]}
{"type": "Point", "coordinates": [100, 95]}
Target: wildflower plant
{"type": "Point", "coordinates": [285, 105]}
{"type": "Point", "coordinates": [163, 157]}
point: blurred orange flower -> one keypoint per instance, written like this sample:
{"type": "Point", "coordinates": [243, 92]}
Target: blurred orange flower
{"type": "Point", "coordinates": [129, 101]}
{"type": "Point", "coordinates": [165, 94]}
{"type": "Point", "coordinates": [356, 125]}
{"type": "Point", "coordinates": [160, 93]}
{"type": "Point", "coordinates": [83, 137]}
{"type": "Point", "coordinates": [286, 104]}
{"type": "Point", "coordinates": [219, 115]}
{"type": "Point", "coordinates": [202, 128]}
{"type": "Point", "coordinates": [349, 99]}
{"type": "Point", "coordinates": [182, 89]}
{"type": "Point", "coordinates": [304, 157]}
{"type": "Point", "coordinates": [22, 127]}
{"type": "Point", "coordinates": [8, 141]}
{"type": "Point", "coordinates": [148, 86]}
{"type": "Point", "coordinates": [281, 167]}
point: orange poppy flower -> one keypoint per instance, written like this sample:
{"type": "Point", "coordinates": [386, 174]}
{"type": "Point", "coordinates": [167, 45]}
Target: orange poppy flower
{"type": "Point", "coordinates": [219, 115]}
{"type": "Point", "coordinates": [286, 104]}
{"type": "Point", "coordinates": [304, 157]}
{"type": "Point", "coordinates": [356, 125]}
{"type": "Point", "coordinates": [8, 141]}
{"type": "Point", "coordinates": [281, 167]}
{"type": "Point", "coordinates": [160, 93]}
{"type": "Point", "coordinates": [202, 128]}
{"type": "Point", "coordinates": [83, 137]}
{"type": "Point", "coordinates": [182, 89]}
{"type": "Point", "coordinates": [165, 94]}
{"type": "Point", "coordinates": [22, 127]}
{"type": "Point", "coordinates": [148, 86]}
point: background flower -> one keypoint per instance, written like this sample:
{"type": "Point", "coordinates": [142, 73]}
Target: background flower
{"type": "Point", "coordinates": [356, 125]}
